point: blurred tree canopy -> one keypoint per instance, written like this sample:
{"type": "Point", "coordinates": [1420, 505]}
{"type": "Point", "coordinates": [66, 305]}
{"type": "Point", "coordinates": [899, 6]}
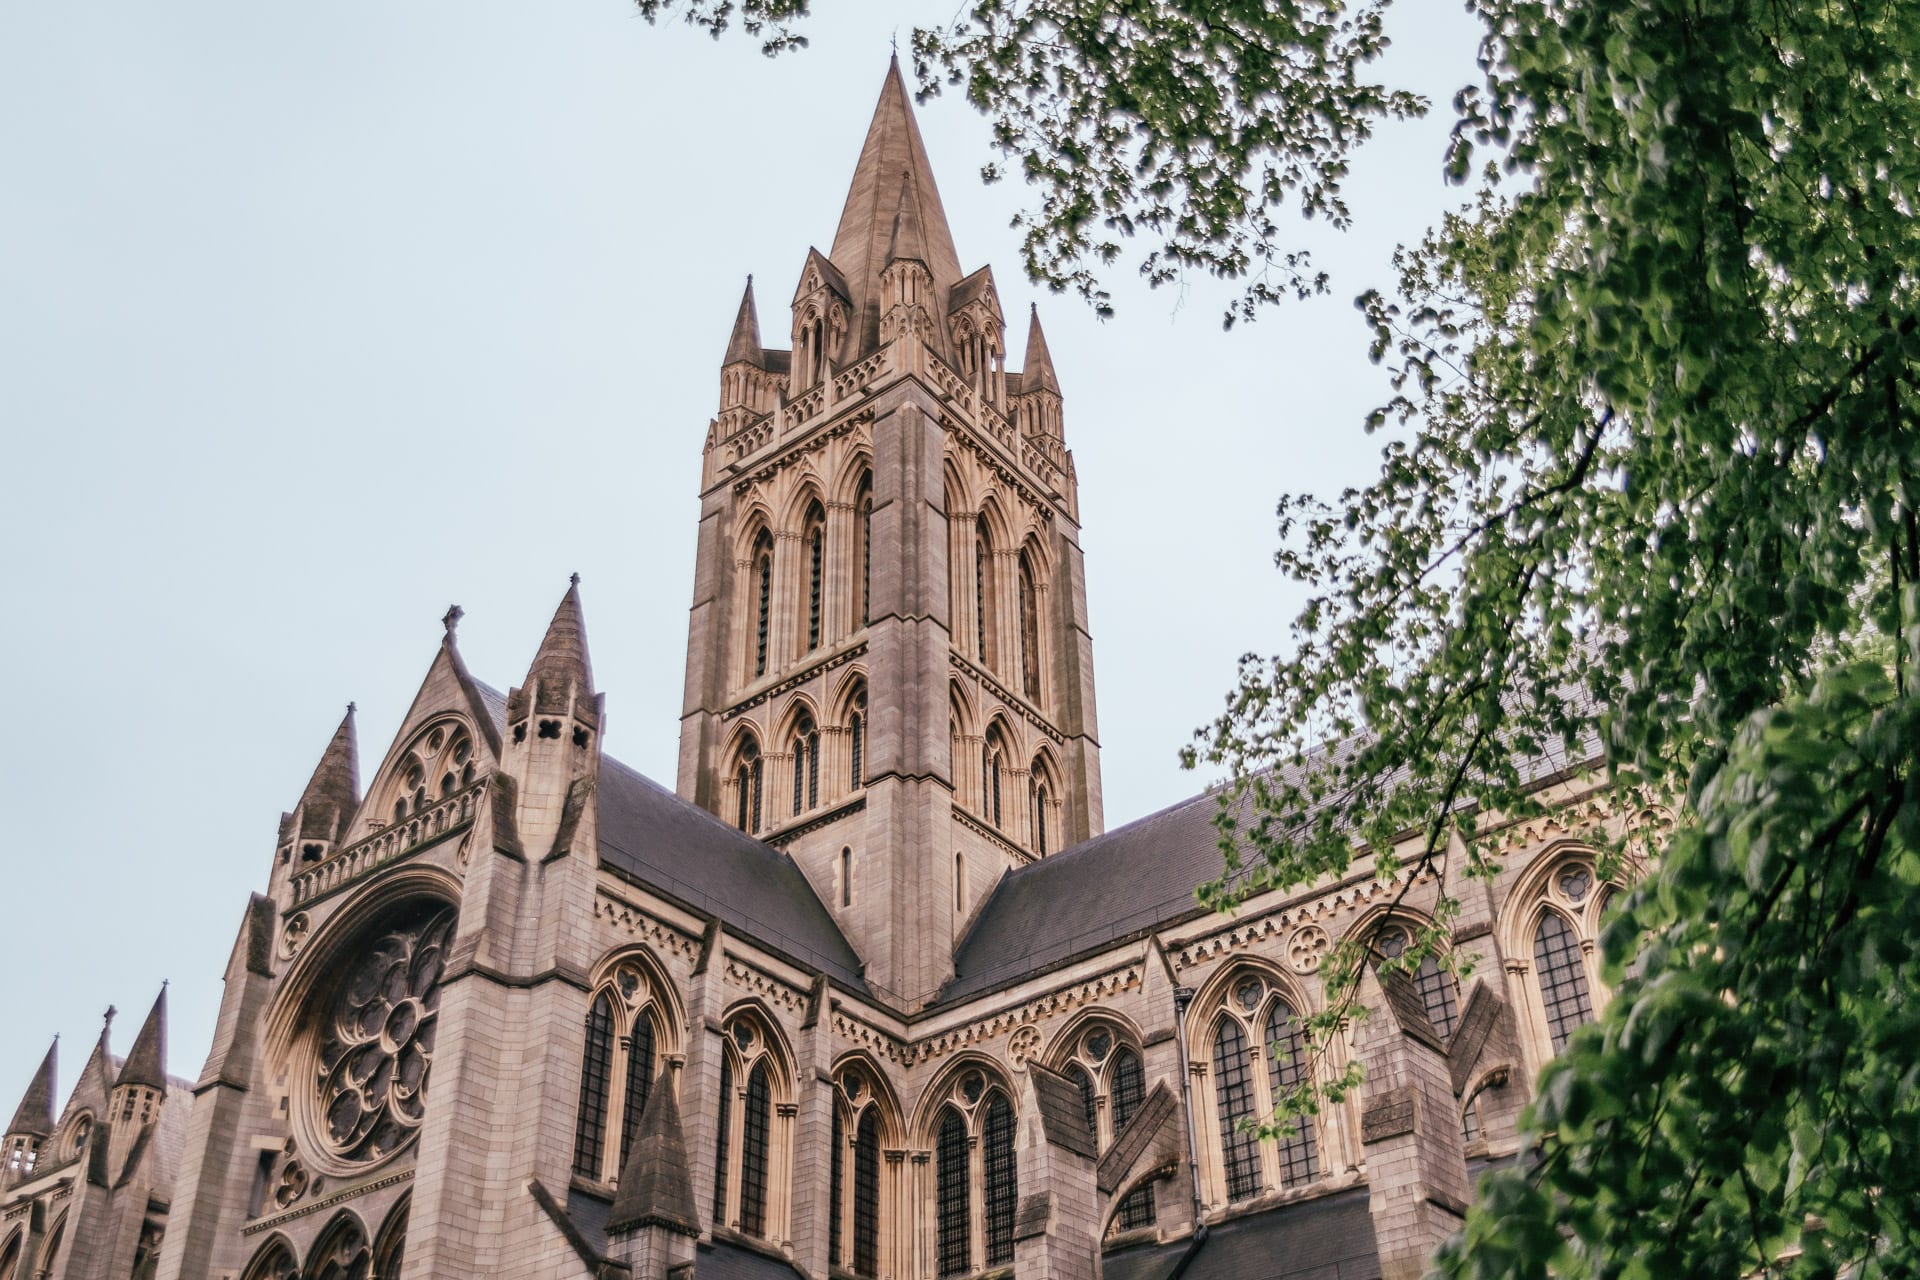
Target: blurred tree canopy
{"type": "Point", "coordinates": [1648, 488]}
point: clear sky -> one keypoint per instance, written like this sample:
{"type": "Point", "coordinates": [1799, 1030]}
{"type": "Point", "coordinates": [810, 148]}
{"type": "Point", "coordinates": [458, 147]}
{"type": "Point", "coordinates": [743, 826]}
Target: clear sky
{"type": "Point", "coordinates": [315, 319]}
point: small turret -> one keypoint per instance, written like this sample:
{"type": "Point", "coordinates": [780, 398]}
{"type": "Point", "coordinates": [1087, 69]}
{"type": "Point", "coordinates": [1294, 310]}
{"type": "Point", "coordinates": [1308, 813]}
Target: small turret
{"type": "Point", "coordinates": [978, 332]}
{"type": "Point", "coordinates": [319, 821]}
{"type": "Point", "coordinates": [553, 726]}
{"type": "Point", "coordinates": [906, 282]}
{"type": "Point", "coordinates": [1037, 404]}
{"type": "Point", "coordinates": [141, 1087]}
{"type": "Point", "coordinates": [32, 1123]}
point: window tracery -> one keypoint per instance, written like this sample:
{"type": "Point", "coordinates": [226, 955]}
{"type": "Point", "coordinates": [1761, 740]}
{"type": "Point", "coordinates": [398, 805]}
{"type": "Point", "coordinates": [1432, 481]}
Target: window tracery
{"type": "Point", "coordinates": [438, 762]}
{"type": "Point", "coordinates": [857, 742]}
{"type": "Point", "coordinates": [762, 582]}
{"type": "Point", "coordinates": [342, 1253]}
{"type": "Point", "coordinates": [1439, 993]}
{"type": "Point", "coordinates": [813, 536]}
{"type": "Point", "coordinates": [1257, 1055]}
{"type": "Point", "coordinates": [1029, 629]}
{"type": "Point", "coordinates": [747, 777]}
{"type": "Point", "coordinates": [854, 1209]}
{"type": "Point", "coordinates": [1107, 1067]}
{"type": "Point", "coordinates": [625, 1019]}
{"type": "Point", "coordinates": [10, 1257]}
{"type": "Point", "coordinates": [1549, 936]}
{"type": "Point", "coordinates": [751, 1163]}
{"type": "Point", "coordinates": [373, 1038]}
{"type": "Point", "coordinates": [390, 1248]}
{"type": "Point", "coordinates": [976, 1175]}
{"type": "Point", "coordinates": [273, 1262]}
{"type": "Point", "coordinates": [993, 757]}
{"type": "Point", "coordinates": [806, 765]}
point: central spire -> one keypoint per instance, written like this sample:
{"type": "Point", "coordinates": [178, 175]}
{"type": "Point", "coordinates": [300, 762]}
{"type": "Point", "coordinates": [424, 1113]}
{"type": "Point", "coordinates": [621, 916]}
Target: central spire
{"type": "Point", "coordinates": [893, 171]}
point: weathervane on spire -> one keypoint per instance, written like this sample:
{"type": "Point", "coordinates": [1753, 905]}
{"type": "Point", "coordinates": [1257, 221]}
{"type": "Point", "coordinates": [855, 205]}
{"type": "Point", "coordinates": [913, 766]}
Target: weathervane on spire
{"type": "Point", "coordinates": [452, 619]}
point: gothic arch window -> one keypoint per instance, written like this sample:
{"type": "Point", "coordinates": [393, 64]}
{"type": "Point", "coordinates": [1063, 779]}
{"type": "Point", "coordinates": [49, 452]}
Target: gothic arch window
{"type": "Point", "coordinates": [390, 1247]}
{"type": "Point", "coordinates": [1256, 1054]}
{"type": "Point", "coordinates": [857, 742]}
{"type": "Point", "coordinates": [438, 762]}
{"type": "Point", "coordinates": [754, 1130]}
{"type": "Point", "coordinates": [959, 883]}
{"type": "Point", "coordinates": [846, 876]}
{"type": "Point", "coordinates": [50, 1252]}
{"type": "Point", "coordinates": [1549, 935]}
{"type": "Point", "coordinates": [1439, 994]}
{"type": "Point", "coordinates": [993, 763]}
{"type": "Point", "coordinates": [806, 765]}
{"type": "Point", "coordinates": [855, 1208]}
{"type": "Point", "coordinates": [22, 1154]}
{"type": "Point", "coordinates": [761, 583]}
{"type": "Point", "coordinates": [983, 592]}
{"type": "Point", "coordinates": [748, 774]}
{"type": "Point", "coordinates": [342, 1253]}
{"type": "Point", "coordinates": [10, 1256]}
{"type": "Point", "coordinates": [1029, 629]}
{"type": "Point", "coordinates": [625, 1022]}
{"type": "Point", "coordinates": [1043, 800]}
{"type": "Point", "coordinates": [863, 509]}
{"type": "Point", "coordinates": [274, 1262]}
{"type": "Point", "coordinates": [976, 1182]}
{"type": "Point", "coordinates": [1105, 1063]}
{"type": "Point", "coordinates": [813, 538]}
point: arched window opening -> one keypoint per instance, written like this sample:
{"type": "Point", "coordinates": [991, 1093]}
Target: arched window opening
{"type": "Point", "coordinates": [755, 1133]}
{"type": "Point", "coordinates": [1002, 1181]}
{"type": "Point", "coordinates": [275, 1262]}
{"type": "Point", "coordinates": [1088, 1098]}
{"type": "Point", "coordinates": [1563, 978]}
{"type": "Point", "coordinates": [342, 1253]}
{"type": "Point", "coordinates": [1438, 994]}
{"type": "Point", "coordinates": [1287, 1070]}
{"type": "Point", "coordinates": [1470, 1122]}
{"type": "Point", "coordinates": [846, 876]}
{"type": "Point", "coordinates": [763, 585]}
{"type": "Point", "coordinates": [955, 1217]}
{"type": "Point", "coordinates": [1233, 1099]}
{"type": "Point", "coordinates": [857, 740]}
{"type": "Point", "coordinates": [1029, 630]}
{"type": "Point", "coordinates": [959, 883]}
{"type": "Point", "coordinates": [590, 1126]}
{"type": "Point", "coordinates": [866, 1195]}
{"type": "Point", "coordinates": [1129, 1091]}
{"type": "Point", "coordinates": [836, 1200]}
{"type": "Point", "coordinates": [806, 765]}
{"type": "Point", "coordinates": [992, 754]}
{"type": "Point", "coordinates": [390, 1246]}
{"type": "Point", "coordinates": [815, 538]}
{"type": "Point", "coordinates": [863, 503]}
{"type": "Point", "coordinates": [1105, 1068]}
{"type": "Point", "coordinates": [10, 1257]}
{"type": "Point", "coordinates": [746, 785]}
{"type": "Point", "coordinates": [983, 591]}
{"type": "Point", "coordinates": [723, 1133]}
{"type": "Point", "coordinates": [854, 1200]}
{"type": "Point", "coordinates": [639, 1047]}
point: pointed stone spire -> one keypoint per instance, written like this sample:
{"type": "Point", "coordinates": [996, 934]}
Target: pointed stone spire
{"type": "Point", "coordinates": [146, 1063]}
{"type": "Point", "coordinates": [860, 245]}
{"type": "Point", "coordinates": [34, 1115]}
{"type": "Point", "coordinates": [745, 342]}
{"type": "Point", "coordinates": [654, 1188]}
{"type": "Point", "coordinates": [908, 243]}
{"type": "Point", "coordinates": [1038, 374]}
{"type": "Point", "coordinates": [333, 792]}
{"type": "Point", "coordinates": [561, 675]}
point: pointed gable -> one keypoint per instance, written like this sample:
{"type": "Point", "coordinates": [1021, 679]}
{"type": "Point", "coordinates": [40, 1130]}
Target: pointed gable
{"type": "Point", "coordinates": [34, 1115]}
{"type": "Point", "coordinates": [893, 148]}
{"type": "Point", "coordinates": [908, 240]}
{"type": "Point", "coordinates": [146, 1063]}
{"type": "Point", "coordinates": [654, 1187]}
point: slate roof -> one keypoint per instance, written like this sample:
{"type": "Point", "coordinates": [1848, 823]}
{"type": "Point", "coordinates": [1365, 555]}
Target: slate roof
{"type": "Point", "coordinates": [1326, 1239]}
{"type": "Point", "coordinates": [674, 847]}
{"type": "Point", "coordinates": [723, 1261]}
{"type": "Point", "coordinates": [1120, 885]}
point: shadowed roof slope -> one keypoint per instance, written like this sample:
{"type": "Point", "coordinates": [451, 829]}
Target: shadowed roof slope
{"type": "Point", "coordinates": [1326, 1239]}
{"type": "Point", "coordinates": [651, 835]}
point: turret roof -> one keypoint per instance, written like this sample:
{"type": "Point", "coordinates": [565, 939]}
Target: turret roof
{"type": "Point", "coordinates": [654, 1187]}
{"type": "Point", "coordinates": [146, 1062]}
{"type": "Point", "coordinates": [333, 792]}
{"type": "Point", "coordinates": [1038, 374]}
{"type": "Point", "coordinates": [34, 1115]}
{"type": "Point", "coordinates": [744, 344]}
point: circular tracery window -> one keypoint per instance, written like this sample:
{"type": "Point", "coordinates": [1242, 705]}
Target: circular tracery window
{"type": "Point", "coordinates": [373, 1038]}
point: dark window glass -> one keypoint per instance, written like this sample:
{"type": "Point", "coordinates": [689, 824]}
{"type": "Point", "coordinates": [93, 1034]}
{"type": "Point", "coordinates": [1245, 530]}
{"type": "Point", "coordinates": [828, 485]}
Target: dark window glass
{"type": "Point", "coordinates": [1436, 989]}
{"type": "Point", "coordinates": [639, 1082]}
{"type": "Point", "coordinates": [799, 772]}
{"type": "Point", "coordinates": [763, 567]}
{"type": "Point", "coordinates": [1129, 1087]}
{"type": "Point", "coordinates": [846, 877]}
{"type": "Point", "coordinates": [866, 560]}
{"type": "Point", "coordinates": [866, 1196]}
{"type": "Point", "coordinates": [1040, 820]}
{"type": "Point", "coordinates": [980, 597]}
{"type": "Point", "coordinates": [1563, 978]}
{"type": "Point", "coordinates": [1003, 1188]}
{"type": "Point", "coordinates": [756, 1124]}
{"type": "Point", "coordinates": [1233, 1099]}
{"type": "Point", "coordinates": [1287, 1069]}
{"type": "Point", "coordinates": [1029, 632]}
{"type": "Point", "coordinates": [754, 781]}
{"type": "Point", "coordinates": [956, 1253]}
{"type": "Point", "coordinates": [1080, 1078]}
{"type": "Point", "coordinates": [813, 769]}
{"type": "Point", "coordinates": [858, 772]}
{"type": "Point", "coordinates": [596, 1070]}
{"type": "Point", "coordinates": [816, 550]}
{"type": "Point", "coordinates": [1137, 1210]}
{"type": "Point", "coordinates": [725, 1128]}
{"type": "Point", "coordinates": [1470, 1121]}
{"type": "Point", "coordinates": [836, 1198]}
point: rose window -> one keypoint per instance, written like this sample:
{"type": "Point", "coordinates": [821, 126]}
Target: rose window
{"type": "Point", "coordinates": [375, 1039]}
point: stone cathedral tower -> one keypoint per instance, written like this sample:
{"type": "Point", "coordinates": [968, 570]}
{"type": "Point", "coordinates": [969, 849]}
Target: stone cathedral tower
{"type": "Point", "coordinates": [888, 668]}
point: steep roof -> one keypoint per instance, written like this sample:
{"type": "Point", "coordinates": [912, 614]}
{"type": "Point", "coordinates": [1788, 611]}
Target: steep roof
{"type": "Point", "coordinates": [654, 1186]}
{"type": "Point", "coordinates": [744, 342]}
{"type": "Point", "coordinates": [673, 846]}
{"type": "Point", "coordinates": [561, 670]}
{"type": "Point", "coordinates": [1037, 373]}
{"type": "Point", "coordinates": [893, 150]}
{"type": "Point", "coordinates": [146, 1062]}
{"type": "Point", "coordinates": [333, 792]}
{"type": "Point", "coordinates": [1330, 1238]}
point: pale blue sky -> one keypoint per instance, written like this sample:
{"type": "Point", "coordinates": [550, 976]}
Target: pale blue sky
{"type": "Point", "coordinates": [317, 318]}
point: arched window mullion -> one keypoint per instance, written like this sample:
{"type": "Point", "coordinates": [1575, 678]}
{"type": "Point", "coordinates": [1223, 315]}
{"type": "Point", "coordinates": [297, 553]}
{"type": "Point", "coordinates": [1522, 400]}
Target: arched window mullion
{"type": "Point", "coordinates": [952, 1179]}
{"type": "Point", "coordinates": [596, 1074]}
{"type": "Point", "coordinates": [1565, 995]}
{"type": "Point", "coordinates": [723, 1131]}
{"type": "Point", "coordinates": [756, 1130]}
{"type": "Point", "coordinates": [639, 1084]}
{"type": "Point", "coordinates": [866, 1195]}
{"type": "Point", "coordinates": [1000, 1180]}
{"type": "Point", "coordinates": [1233, 1103]}
{"type": "Point", "coordinates": [1287, 1069]}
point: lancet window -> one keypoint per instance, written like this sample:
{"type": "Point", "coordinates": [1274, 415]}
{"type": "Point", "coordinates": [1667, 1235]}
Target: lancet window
{"type": "Point", "coordinates": [983, 591]}
{"type": "Point", "coordinates": [854, 1209]}
{"type": "Point", "coordinates": [814, 538]}
{"type": "Point", "coordinates": [749, 1191]}
{"type": "Point", "coordinates": [1042, 799]}
{"type": "Point", "coordinates": [806, 765]}
{"type": "Point", "coordinates": [1113, 1083]}
{"type": "Point", "coordinates": [863, 506]}
{"type": "Point", "coordinates": [1560, 904]}
{"type": "Point", "coordinates": [438, 762]}
{"type": "Point", "coordinates": [1257, 1055]}
{"type": "Point", "coordinates": [762, 583]}
{"type": "Point", "coordinates": [748, 772]}
{"type": "Point", "coordinates": [1029, 630]}
{"type": "Point", "coordinates": [993, 757]}
{"type": "Point", "coordinates": [10, 1256]}
{"type": "Point", "coordinates": [976, 1182]}
{"type": "Point", "coordinates": [274, 1262]}
{"type": "Point", "coordinates": [857, 742]}
{"type": "Point", "coordinates": [624, 1024]}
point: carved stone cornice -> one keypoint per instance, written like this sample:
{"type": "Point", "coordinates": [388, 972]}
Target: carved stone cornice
{"type": "Point", "coordinates": [327, 1202]}
{"type": "Point", "coordinates": [638, 922]}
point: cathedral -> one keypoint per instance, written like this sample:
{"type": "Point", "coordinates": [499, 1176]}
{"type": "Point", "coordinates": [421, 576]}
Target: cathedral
{"type": "Point", "coordinates": [871, 991]}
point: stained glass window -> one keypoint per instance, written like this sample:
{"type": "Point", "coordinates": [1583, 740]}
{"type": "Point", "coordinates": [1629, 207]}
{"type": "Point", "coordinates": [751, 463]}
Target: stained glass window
{"type": "Point", "coordinates": [1233, 1099]}
{"type": "Point", "coordinates": [590, 1128]}
{"type": "Point", "coordinates": [756, 1126]}
{"type": "Point", "coordinates": [1563, 978]}
{"type": "Point", "coordinates": [1002, 1189]}
{"type": "Point", "coordinates": [956, 1253]}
